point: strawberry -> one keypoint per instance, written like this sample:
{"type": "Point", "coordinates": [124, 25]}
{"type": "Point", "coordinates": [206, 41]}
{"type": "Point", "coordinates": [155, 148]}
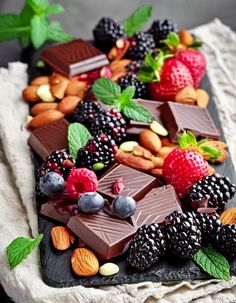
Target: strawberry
{"type": "Point", "coordinates": [173, 77]}
{"type": "Point", "coordinates": [182, 168]}
{"type": "Point", "coordinates": [196, 63]}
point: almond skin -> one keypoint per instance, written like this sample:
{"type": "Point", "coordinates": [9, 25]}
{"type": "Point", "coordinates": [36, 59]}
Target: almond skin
{"type": "Point", "coordinates": [150, 140]}
{"type": "Point", "coordinates": [45, 117]}
{"type": "Point", "coordinates": [157, 162]}
{"type": "Point", "coordinates": [30, 94]}
{"type": "Point", "coordinates": [59, 85]}
{"type": "Point", "coordinates": [41, 107]}
{"type": "Point", "coordinates": [133, 161]}
{"type": "Point", "coordinates": [68, 104]}
{"type": "Point", "coordinates": [76, 88]}
{"type": "Point", "coordinates": [202, 98]}
{"type": "Point", "coordinates": [40, 81]}
{"type": "Point", "coordinates": [186, 95]}
{"type": "Point", "coordinates": [185, 37]}
{"type": "Point", "coordinates": [157, 172]}
{"type": "Point", "coordinates": [142, 152]}
{"type": "Point", "coordinates": [165, 150]}
{"type": "Point", "coordinates": [60, 236]}
{"type": "Point", "coordinates": [228, 216]}
{"type": "Point", "coordinates": [84, 262]}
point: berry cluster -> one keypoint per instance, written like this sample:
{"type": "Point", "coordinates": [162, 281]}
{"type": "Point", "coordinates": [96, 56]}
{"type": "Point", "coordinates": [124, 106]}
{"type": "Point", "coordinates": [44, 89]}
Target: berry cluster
{"type": "Point", "coordinates": [141, 90]}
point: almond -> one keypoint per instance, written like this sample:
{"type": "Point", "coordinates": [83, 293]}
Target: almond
{"type": "Point", "coordinates": [166, 141]}
{"type": "Point", "coordinates": [76, 88]}
{"type": "Point", "coordinates": [68, 104]}
{"type": "Point", "coordinates": [185, 37]}
{"type": "Point", "coordinates": [150, 140]}
{"type": "Point", "coordinates": [119, 65]}
{"type": "Point", "coordinates": [158, 129]}
{"type": "Point", "coordinates": [116, 76]}
{"type": "Point", "coordinates": [216, 143]}
{"type": "Point", "coordinates": [45, 117]}
{"type": "Point", "coordinates": [59, 85]}
{"type": "Point", "coordinates": [166, 150]}
{"type": "Point", "coordinates": [44, 93]}
{"type": "Point", "coordinates": [133, 161]}
{"type": "Point", "coordinates": [223, 157]}
{"type": "Point", "coordinates": [211, 170]}
{"type": "Point", "coordinates": [157, 162]}
{"type": "Point", "coordinates": [186, 95]}
{"type": "Point", "coordinates": [40, 81]}
{"type": "Point", "coordinates": [202, 98]}
{"type": "Point", "coordinates": [60, 237]}
{"type": "Point", "coordinates": [142, 152]}
{"type": "Point", "coordinates": [41, 107]}
{"type": "Point", "coordinates": [228, 216]}
{"type": "Point", "coordinates": [128, 146]}
{"type": "Point", "coordinates": [29, 94]}
{"type": "Point", "coordinates": [84, 262]}
{"type": "Point", "coordinates": [157, 172]}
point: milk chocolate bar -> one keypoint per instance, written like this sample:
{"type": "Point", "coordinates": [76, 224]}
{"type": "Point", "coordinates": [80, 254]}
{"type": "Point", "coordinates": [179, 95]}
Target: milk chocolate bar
{"type": "Point", "coordinates": [47, 138]}
{"type": "Point", "coordinates": [179, 117]}
{"type": "Point", "coordinates": [73, 58]}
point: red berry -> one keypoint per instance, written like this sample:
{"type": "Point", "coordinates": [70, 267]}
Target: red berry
{"type": "Point", "coordinates": [183, 168]}
{"type": "Point", "coordinates": [79, 181]}
{"type": "Point", "coordinates": [54, 165]}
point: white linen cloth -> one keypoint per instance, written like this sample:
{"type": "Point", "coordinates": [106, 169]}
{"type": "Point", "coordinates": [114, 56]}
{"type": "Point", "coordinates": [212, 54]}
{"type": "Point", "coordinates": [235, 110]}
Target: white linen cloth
{"type": "Point", "coordinates": [17, 206]}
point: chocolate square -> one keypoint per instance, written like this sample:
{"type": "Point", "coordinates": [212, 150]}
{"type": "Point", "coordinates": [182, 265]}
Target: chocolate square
{"type": "Point", "coordinates": [179, 117]}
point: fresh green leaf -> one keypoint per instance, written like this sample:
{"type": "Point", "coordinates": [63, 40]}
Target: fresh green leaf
{"type": "Point", "coordinates": [147, 75]}
{"type": "Point", "coordinates": [40, 64]}
{"type": "Point", "coordinates": [151, 61]}
{"type": "Point", "coordinates": [213, 263]}
{"type": "Point", "coordinates": [196, 44]}
{"type": "Point", "coordinates": [126, 95]}
{"type": "Point", "coordinates": [186, 140]}
{"type": "Point", "coordinates": [20, 248]}
{"type": "Point", "coordinates": [38, 6]}
{"type": "Point", "coordinates": [39, 30]}
{"type": "Point", "coordinates": [172, 40]}
{"type": "Point", "coordinates": [26, 14]}
{"type": "Point", "coordinates": [12, 27]}
{"type": "Point", "coordinates": [106, 90]}
{"type": "Point", "coordinates": [78, 136]}
{"type": "Point", "coordinates": [53, 9]}
{"type": "Point", "coordinates": [201, 142]}
{"type": "Point", "coordinates": [137, 112]}
{"type": "Point", "coordinates": [136, 21]}
{"type": "Point", "coordinates": [57, 34]}
{"type": "Point", "coordinates": [211, 153]}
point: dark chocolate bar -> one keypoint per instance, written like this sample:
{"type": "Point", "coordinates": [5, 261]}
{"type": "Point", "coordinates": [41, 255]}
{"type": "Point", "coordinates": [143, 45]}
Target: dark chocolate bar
{"type": "Point", "coordinates": [73, 58]}
{"type": "Point", "coordinates": [179, 117]}
{"type": "Point", "coordinates": [47, 138]}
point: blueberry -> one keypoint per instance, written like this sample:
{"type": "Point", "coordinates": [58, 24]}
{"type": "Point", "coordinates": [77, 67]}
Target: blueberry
{"type": "Point", "coordinates": [123, 206]}
{"type": "Point", "coordinates": [51, 184]}
{"type": "Point", "coordinates": [90, 202]}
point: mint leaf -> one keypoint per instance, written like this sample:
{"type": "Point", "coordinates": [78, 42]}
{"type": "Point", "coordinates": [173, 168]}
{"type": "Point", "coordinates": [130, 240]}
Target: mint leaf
{"type": "Point", "coordinates": [78, 136]}
{"type": "Point", "coordinates": [39, 30]}
{"type": "Point", "coordinates": [187, 139]}
{"type": "Point", "coordinates": [137, 112]}
{"type": "Point", "coordinates": [57, 34]}
{"type": "Point", "coordinates": [106, 90]}
{"type": "Point", "coordinates": [38, 6]}
{"type": "Point", "coordinates": [135, 22]}
{"type": "Point", "coordinates": [20, 248]}
{"type": "Point", "coordinates": [126, 95]}
{"type": "Point", "coordinates": [12, 27]}
{"type": "Point", "coordinates": [53, 9]}
{"type": "Point", "coordinates": [213, 263]}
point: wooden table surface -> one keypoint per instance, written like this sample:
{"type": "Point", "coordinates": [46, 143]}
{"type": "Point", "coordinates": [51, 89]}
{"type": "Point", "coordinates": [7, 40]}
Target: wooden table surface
{"type": "Point", "coordinates": [81, 16]}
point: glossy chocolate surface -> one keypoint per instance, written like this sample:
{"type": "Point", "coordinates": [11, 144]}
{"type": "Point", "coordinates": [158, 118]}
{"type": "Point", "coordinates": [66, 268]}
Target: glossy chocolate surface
{"type": "Point", "coordinates": [74, 57]}
{"type": "Point", "coordinates": [47, 138]}
{"type": "Point", "coordinates": [179, 117]}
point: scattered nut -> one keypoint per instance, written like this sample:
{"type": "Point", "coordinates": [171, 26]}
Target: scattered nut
{"type": "Point", "coordinates": [109, 269]}
{"type": "Point", "coordinates": [202, 98]}
{"type": "Point", "coordinates": [133, 161]}
{"type": "Point", "coordinates": [40, 81]}
{"type": "Point", "coordinates": [166, 141]}
{"type": "Point", "coordinates": [211, 170]}
{"type": "Point", "coordinates": [223, 157]}
{"type": "Point", "coordinates": [41, 107]}
{"type": "Point", "coordinates": [186, 95]}
{"type": "Point", "coordinates": [165, 150]}
{"type": "Point", "coordinates": [84, 262]}
{"type": "Point", "coordinates": [150, 140]}
{"type": "Point", "coordinates": [45, 117]}
{"type": "Point", "coordinates": [142, 152]}
{"type": "Point", "coordinates": [44, 93]}
{"type": "Point", "coordinates": [158, 129]}
{"type": "Point", "coordinates": [59, 85]}
{"type": "Point", "coordinates": [68, 104]}
{"type": "Point", "coordinates": [128, 146]}
{"type": "Point", "coordinates": [116, 76]}
{"type": "Point", "coordinates": [60, 237]}
{"type": "Point", "coordinates": [76, 88]}
{"type": "Point", "coordinates": [118, 66]}
{"type": "Point", "coordinates": [217, 144]}
{"type": "Point", "coordinates": [29, 94]}
{"type": "Point", "coordinates": [157, 172]}
{"type": "Point", "coordinates": [185, 37]}
{"type": "Point", "coordinates": [228, 216]}
{"type": "Point", "coordinates": [157, 162]}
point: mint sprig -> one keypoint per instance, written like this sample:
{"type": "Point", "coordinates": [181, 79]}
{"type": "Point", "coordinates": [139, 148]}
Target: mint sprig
{"type": "Point", "coordinates": [110, 93]}
{"type": "Point", "coordinates": [20, 248]}
{"type": "Point", "coordinates": [213, 263]}
{"type": "Point", "coordinates": [136, 21]}
{"type": "Point", "coordinates": [78, 136]}
{"type": "Point", "coordinates": [32, 25]}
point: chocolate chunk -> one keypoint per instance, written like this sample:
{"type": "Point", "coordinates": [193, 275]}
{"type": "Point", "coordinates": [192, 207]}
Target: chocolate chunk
{"type": "Point", "coordinates": [179, 117]}
{"type": "Point", "coordinates": [136, 183]}
{"type": "Point", "coordinates": [47, 138]}
{"type": "Point", "coordinates": [136, 127]}
{"type": "Point", "coordinates": [156, 205]}
{"type": "Point", "coordinates": [73, 58]}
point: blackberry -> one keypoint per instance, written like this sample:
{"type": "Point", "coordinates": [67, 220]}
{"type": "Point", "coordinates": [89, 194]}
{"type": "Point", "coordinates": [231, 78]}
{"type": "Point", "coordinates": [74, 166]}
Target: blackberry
{"type": "Point", "coordinates": [146, 248]}
{"type": "Point", "coordinates": [98, 150]}
{"type": "Point", "coordinates": [183, 234]}
{"type": "Point", "coordinates": [160, 29]}
{"type": "Point", "coordinates": [141, 44]}
{"type": "Point", "coordinates": [134, 66]}
{"type": "Point", "coordinates": [58, 161]}
{"type": "Point", "coordinates": [107, 31]}
{"type": "Point", "coordinates": [86, 111]}
{"type": "Point", "coordinates": [225, 240]}
{"type": "Point", "coordinates": [111, 123]}
{"type": "Point", "coordinates": [141, 88]}
{"type": "Point", "coordinates": [217, 189]}
{"type": "Point", "coordinates": [210, 225]}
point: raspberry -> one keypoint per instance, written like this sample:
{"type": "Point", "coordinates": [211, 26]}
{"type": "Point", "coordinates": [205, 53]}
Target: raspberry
{"type": "Point", "coordinates": [79, 181]}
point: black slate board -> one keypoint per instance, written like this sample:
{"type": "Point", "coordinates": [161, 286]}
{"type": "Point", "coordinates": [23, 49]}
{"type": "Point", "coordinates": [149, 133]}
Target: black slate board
{"type": "Point", "coordinates": [56, 268]}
